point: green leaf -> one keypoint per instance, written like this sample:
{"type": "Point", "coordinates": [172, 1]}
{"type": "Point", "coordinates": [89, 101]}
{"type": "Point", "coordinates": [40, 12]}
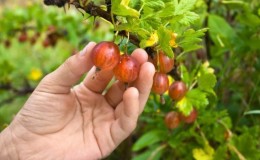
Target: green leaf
{"type": "Point", "coordinates": [184, 106]}
{"type": "Point", "coordinates": [197, 98]}
{"type": "Point", "coordinates": [247, 145]}
{"type": "Point", "coordinates": [188, 18]}
{"type": "Point", "coordinates": [207, 81]}
{"type": "Point", "coordinates": [194, 98]}
{"type": "Point", "coordinates": [167, 11]}
{"type": "Point", "coordinates": [252, 112]}
{"type": "Point", "coordinates": [121, 8]}
{"type": "Point", "coordinates": [221, 32]}
{"type": "Point", "coordinates": [149, 139]}
{"type": "Point", "coordinates": [182, 6]}
{"type": "Point", "coordinates": [185, 74]}
{"type": "Point", "coordinates": [190, 39]}
{"type": "Point", "coordinates": [164, 41]}
{"type": "Point", "coordinates": [155, 4]}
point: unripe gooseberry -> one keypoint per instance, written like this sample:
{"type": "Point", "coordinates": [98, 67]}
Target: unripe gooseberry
{"type": "Point", "coordinates": [177, 90]}
{"type": "Point", "coordinates": [105, 55]}
{"type": "Point", "coordinates": [127, 69]}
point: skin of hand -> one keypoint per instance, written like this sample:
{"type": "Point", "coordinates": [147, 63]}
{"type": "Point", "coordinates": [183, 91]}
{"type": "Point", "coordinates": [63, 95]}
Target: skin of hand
{"type": "Point", "coordinates": [81, 122]}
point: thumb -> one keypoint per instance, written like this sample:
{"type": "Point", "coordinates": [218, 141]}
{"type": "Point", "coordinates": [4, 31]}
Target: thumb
{"type": "Point", "coordinates": [65, 76]}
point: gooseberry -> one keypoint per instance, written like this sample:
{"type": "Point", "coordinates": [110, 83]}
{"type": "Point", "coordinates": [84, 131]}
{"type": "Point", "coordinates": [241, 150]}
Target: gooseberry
{"type": "Point", "coordinates": [127, 69]}
{"type": "Point", "coordinates": [177, 90]}
{"type": "Point", "coordinates": [172, 120]}
{"type": "Point", "coordinates": [160, 84]}
{"type": "Point", "coordinates": [164, 63]}
{"type": "Point", "coordinates": [105, 55]}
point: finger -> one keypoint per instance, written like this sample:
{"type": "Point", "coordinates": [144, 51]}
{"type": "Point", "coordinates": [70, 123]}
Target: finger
{"type": "Point", "coordinates": [63, 78]}
{"type": "Point", "coordinates": [97, 81]}
{"type": "Point", "coordinates": [126, 121]}
{"type": "Point", "coordinates": [115, 92]}
{"type": "Point", "coordinates": [144, 83]}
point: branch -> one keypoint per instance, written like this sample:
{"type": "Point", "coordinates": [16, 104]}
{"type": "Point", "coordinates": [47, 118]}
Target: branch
{"type": "Point", "coordinates": [95, 11]}
{"type": "Point", "coordinates": [207, 36]}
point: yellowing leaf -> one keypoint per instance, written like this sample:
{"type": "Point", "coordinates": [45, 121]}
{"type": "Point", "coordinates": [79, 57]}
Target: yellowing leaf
{"type": "Point", "coordinates": [207, 68]}
{"type": "Point", "coordinates": [184, 106]}
{"type": "Point", "coordinates": [125, 2]}
{"type": "Point", "coordinates": [35, 74]}
{"type": "Point", "coordinates": [121, 8]}
{"type": "Point", "coordinates": [203, 154]}
{"type": "Point", "coordinates": [153, 40]}
{"type": "Point", "coordinates": [173, 40]}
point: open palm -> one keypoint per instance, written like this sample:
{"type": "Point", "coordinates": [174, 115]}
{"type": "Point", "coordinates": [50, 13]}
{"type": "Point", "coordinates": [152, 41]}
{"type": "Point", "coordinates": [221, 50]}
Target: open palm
{"type": "Point", "coordinates": [60, 121]}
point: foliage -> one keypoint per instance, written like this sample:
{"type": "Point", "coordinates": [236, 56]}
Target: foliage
{"type": "Point", "coordinates": [215, 45]}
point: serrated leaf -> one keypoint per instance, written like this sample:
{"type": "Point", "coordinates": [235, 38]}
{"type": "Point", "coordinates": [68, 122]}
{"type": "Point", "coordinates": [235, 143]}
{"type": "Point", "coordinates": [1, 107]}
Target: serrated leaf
{"type": "Point", "coordinates": [164, 41]}
{"type": "Point", "coordinates": [184, 106]}
{"type": "Point", "coordinates": [207, 81]}
{"type": "Point", "coordinates": [194, 98]}
{"type": "Point", "coordinates": [182, 6]}
{"type": "Point", "coordinates": [190, 39]}
{"type": "Point", "coordinates": [149, 139]}
{"type": "Point", "coordinates": [121, 8]}
{"type": "Point", "coordinates": [156, 4]}
{"type": "Point", "coordinates": [188, 18]}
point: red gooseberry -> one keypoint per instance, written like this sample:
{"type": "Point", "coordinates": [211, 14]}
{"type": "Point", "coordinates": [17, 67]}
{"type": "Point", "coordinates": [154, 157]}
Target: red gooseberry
{"type": "Point", "coordinates": [164, 63]}
{"type": "Point", "coordinates": [172, 120]}
{"type": "Point", "coordinates": [160, 84]}
{"type": "Point", "coordinates": [127, 69]}
{"type": "Point", "coordinates": [190, 118]}
{"type": "Point", "coordinates": [177, 90]}
{"type": "Point", "coordinates": [105, 55]}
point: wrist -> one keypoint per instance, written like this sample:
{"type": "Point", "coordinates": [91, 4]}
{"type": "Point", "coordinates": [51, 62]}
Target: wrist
{"type": "Point", "coordinates": [8, 150]}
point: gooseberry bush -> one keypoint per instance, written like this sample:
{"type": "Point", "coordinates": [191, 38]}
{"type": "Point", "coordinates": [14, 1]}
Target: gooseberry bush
{"type": "Point", "coordinates": [196, 47]}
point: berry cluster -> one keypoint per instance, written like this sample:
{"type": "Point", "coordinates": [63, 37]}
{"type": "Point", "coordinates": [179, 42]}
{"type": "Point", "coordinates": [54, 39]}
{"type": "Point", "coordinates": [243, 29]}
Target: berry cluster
{"type": "Point", "coordinates": [106, 56]}
{"type": "Point", "coordinates": [164, 64]}
{"type": "Point", "coordinates": [53, 34]}
{"type": "Point", "coordinates": [173, 119]}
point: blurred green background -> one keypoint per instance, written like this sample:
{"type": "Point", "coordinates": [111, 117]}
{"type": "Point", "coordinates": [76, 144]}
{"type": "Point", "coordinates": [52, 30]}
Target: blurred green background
{"type": "Point", "coordinates": [35, 39]}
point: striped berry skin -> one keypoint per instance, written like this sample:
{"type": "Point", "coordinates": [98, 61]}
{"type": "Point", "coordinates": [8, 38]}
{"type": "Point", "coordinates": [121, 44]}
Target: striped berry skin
{"type": "Point", "coordinates": [105, 55]}
{"type": "Point", "coordinates": [160, 83]}
{"type": "Point", "coordinates": [127, 69]}
{"type": "Point", "coordinates": [177, 90]}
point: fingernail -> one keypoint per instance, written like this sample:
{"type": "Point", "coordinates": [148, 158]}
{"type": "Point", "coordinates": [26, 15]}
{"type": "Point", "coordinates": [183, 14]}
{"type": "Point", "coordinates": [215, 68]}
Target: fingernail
{"type": "Point", "coordinates": [86, 48]}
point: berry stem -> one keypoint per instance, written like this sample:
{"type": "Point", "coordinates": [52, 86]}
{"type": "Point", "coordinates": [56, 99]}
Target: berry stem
{"type": "Point", "coordinates": [162, 100]}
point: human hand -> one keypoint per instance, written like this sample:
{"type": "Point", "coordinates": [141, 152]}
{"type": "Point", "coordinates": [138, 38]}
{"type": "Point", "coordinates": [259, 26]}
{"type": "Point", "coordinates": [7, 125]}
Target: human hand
{"type": "Point", "coordinates": [60, 121]}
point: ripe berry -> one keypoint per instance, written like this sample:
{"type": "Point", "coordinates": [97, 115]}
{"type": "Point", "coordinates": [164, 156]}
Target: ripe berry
{"type": "Point", "coordinates": [46, 43]}
{"type": "Point", "coordinates": [177, 90]}
{"type": "Point", "coordinates": [172, 120]}
{"type": "Point", "coordinates": [105, 55]}
{"type": "Point", "coordinates": [7, 43]}
{"type": "Point", "coordinates": [165, 64]}
{"type": "Point", "coordinates": [22, 37]}
{"type": "Point", "coordinates": [190, 118]}
{"type": "Point", "coordinates": [160, 84]}
{"type": "Point", "coordinates": [127, 69]}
